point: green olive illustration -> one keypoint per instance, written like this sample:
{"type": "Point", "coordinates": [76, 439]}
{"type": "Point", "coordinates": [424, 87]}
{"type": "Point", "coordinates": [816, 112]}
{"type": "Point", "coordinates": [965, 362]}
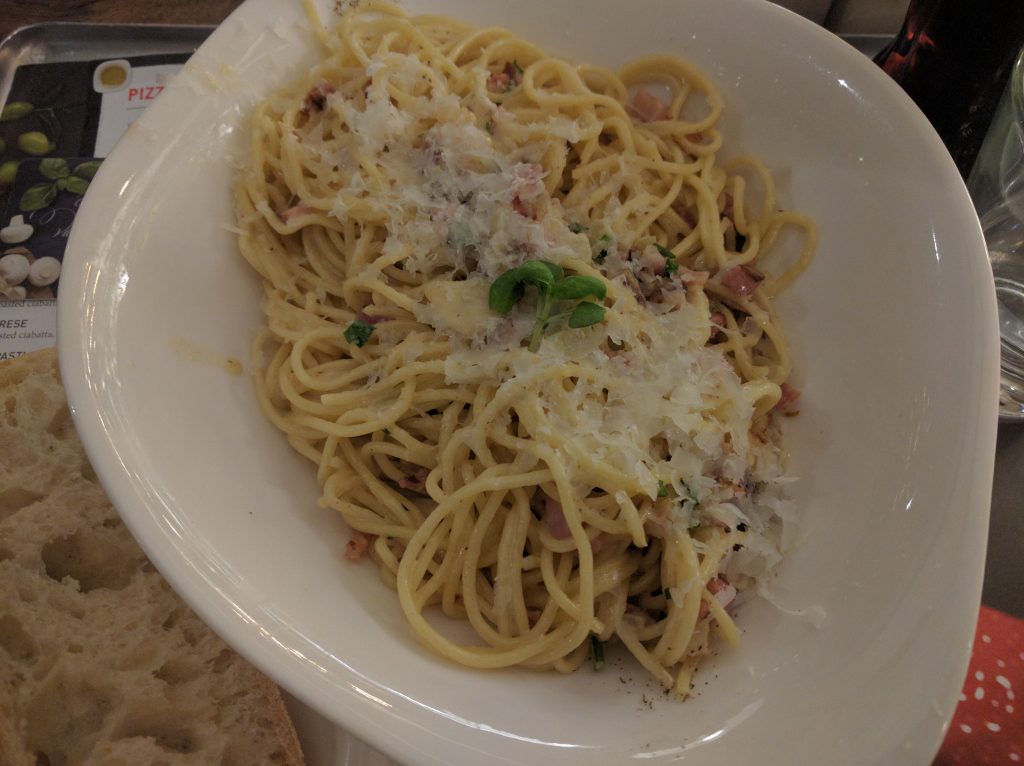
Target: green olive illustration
{"type": "Point", "coordinates": [16, 110]}
{"type": "Point", "coordinates": [7, 172]}
{"type": "Point", "coordinates": [35, 142]}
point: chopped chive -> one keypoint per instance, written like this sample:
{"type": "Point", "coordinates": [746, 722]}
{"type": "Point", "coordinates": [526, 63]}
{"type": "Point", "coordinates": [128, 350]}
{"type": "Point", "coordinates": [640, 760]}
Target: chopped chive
{"type": "Point", "coordinates": [662, 489]}
{"type": "Point", "coordinates": [597, 652]}
{"type": "Point", "coordinates": [489, 126]}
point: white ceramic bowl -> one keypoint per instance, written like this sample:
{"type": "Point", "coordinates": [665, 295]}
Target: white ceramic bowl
{"type": "Point", "coordinates": [895, 325]}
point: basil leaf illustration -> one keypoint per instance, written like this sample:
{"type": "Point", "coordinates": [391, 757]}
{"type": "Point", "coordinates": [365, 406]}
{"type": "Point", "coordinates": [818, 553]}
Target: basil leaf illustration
{"type": "Point", "coordinates": [76, 185]}
{"type": "Point", "coordinates": [37, 197]}
{"type": "Point", "coordinates": [87, 169]}
{"type": "Point", "coordinates": [54, 168]}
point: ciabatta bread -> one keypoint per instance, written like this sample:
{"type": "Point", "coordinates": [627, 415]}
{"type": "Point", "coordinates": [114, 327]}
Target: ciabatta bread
{"type": "Point", "coordinates": [100, 662]}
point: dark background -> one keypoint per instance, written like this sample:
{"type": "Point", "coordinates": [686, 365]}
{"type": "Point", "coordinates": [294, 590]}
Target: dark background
{"type": "Point", "coordinates": [18, 13]}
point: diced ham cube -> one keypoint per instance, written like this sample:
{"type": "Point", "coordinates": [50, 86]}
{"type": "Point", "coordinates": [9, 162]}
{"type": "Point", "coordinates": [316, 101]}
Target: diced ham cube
{"type": "Point", "coordinates": [742, 280]}
{"type": "Point", "coordinates": [647, 107]}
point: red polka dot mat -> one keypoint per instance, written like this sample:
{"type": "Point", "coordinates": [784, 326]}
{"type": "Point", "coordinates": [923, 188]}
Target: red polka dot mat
{"type": "Point", "coordinates": [988, 725]}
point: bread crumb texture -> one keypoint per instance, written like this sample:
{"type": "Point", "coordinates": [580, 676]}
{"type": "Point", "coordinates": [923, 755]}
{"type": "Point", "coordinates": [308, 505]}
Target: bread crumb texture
{"type": "Point", "coordinates": [100, 662]}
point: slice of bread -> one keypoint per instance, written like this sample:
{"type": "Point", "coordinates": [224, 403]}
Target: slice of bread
{"type": "Point", "coordinates": [101, 663]}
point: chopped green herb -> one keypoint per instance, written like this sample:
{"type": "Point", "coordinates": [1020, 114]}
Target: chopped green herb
{"type": "Point", "coordinates": [517, 67]}
{"type": "Point", "coordinates": [604, 242]}
{"type": "Point", "coordinates": [489, 126]}
{"type": "Point", "coordinates": [576, 228]}
{"type": "Point", "coordinates": [597, 652]}
{"type": "Point", "coordinates": [671, 264]}
{"type": "Point", "coordinates": [662, 489]}
{"type": "Point", "coordinates": [358, 332]}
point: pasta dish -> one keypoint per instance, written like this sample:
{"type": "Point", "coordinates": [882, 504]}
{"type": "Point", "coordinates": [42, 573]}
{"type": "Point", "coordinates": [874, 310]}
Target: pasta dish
{"type": "Point", "coordinates": [520, 315]}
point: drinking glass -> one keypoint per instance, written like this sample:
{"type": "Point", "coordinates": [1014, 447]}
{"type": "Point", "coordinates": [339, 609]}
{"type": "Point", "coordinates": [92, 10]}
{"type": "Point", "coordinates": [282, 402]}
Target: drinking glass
{"type": "Point", "coordinates": [996, 184]}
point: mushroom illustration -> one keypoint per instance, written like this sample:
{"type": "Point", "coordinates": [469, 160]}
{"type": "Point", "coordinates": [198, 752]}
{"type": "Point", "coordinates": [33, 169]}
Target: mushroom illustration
{"type": "Point", "coordinates": [14, 268]}
{"type": "Point", "coordinates": [44, 271]}
{"type": "Point", "coordinates": [16, 231]}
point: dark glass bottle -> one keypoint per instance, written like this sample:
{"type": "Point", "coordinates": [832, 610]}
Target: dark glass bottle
{"type": "Point", "coordinates": [953, 58]}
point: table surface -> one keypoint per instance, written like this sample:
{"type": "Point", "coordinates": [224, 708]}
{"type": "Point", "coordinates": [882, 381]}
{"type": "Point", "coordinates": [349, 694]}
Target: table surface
{"type": "Point", "coordinates": [1004, 570]}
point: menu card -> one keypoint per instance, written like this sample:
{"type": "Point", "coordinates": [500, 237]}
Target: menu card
{"type": "Point", "coordinates": [59, 121]}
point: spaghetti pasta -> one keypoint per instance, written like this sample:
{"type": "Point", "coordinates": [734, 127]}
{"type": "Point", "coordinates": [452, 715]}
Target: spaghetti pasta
{"type": "Point", "coordinates": [516, 317]}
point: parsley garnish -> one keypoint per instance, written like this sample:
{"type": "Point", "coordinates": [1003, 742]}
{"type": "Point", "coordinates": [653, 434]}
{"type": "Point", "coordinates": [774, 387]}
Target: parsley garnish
{"type": "Point", "coordinates": [552, 285]}
{"type": "Point", "coordinates": [662, 489]}
{"type": "Point", "coordinates": [489, 127]}
{"type": "Point", "coordinates": [358, 332]}
{"type": "Point", "coordinates": [671, 264]}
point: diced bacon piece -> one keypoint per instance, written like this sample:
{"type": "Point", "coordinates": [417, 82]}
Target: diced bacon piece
{"type": "Point", "coordinates": [509, 77]}
{"type": "Point", "coordinates": [316, 99]}
{"type": "Point", "coordinates": [653, 261]}
{"type": "Point", "coordinates": [723, 592]}
{"type": "Point", "coordinates": [717, 325]}
{"type": "Point", "coordinates": [515, 74]}
{"type": "Point", "coordinates": [356, 548]}
{"type": "Point", "coordinates": [647, 107]}
{"type": "Point", "coordinates": [716, 584]}
{"type": "Point", "coordinates": [415, 482]}
{"type": "Point", "coordinates": [498, 81]}
{"type": "Point", "coordinates": [295, 211]}
{"type": "Point", "coordinates": [554, 517]}
{"type": "Point", "coordinates": [527, 179]}
{"type": "Point", "coordinates": [742, 280]}
{"type": "Point", "coordinates": [789, 396]}
{"type": "Point", "coordinates": [522, 208]}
